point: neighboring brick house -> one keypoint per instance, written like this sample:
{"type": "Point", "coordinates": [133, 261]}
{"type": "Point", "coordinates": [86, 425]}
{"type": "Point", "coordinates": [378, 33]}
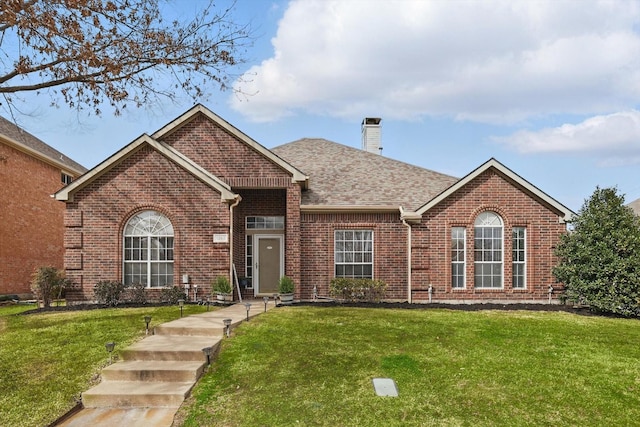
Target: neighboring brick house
{"type": "Point", "coordinates": [31, 230]}
{"type": "Point", "coordinates": [199, 198]}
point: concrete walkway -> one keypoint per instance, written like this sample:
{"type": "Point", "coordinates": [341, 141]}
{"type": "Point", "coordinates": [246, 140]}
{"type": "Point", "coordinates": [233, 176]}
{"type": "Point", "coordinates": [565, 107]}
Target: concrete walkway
{"type": "Point", "coordinates": [158, 372]}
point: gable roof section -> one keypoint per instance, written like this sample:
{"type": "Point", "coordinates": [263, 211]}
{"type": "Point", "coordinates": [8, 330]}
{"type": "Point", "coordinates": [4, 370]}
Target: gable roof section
{"type": "Point", "coordinates": [22, 140]}
{"type": "Point", "coordinates": [635, 206]}
{"type": "Point", "coordinates": [297, 175]}
{"type": "Point", "coordinates": [567, 213]}
{"type": "Point", "coordinates": [66, 194]}
{"type": "Point", "coordinates": [347, 178]}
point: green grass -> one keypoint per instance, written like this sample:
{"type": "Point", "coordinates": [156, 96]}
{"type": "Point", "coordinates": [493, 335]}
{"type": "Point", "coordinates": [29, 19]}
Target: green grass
{"type": "Point", "coordinates": [314, 367]}
{"type": "Point", "coordinates": [48, 359]}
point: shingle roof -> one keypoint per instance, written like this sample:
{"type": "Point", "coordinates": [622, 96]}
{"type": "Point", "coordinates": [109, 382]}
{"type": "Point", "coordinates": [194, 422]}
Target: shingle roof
{"type": "Point", "coordinates": [635, 205]}
{"type": "Point", "coordinates": [344, 176]}
{"type": "Point", "coordinates": [12, 132]}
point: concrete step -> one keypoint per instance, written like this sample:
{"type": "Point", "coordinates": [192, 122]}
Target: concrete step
{"type": "Point", "coordinates": [204, 324]}
{"type": "Point", "coordinates": [151, 370]}
{"type": "Point", "coordinates": [136, 394]}
{"type": "Point", "coordinates": [171, 348]}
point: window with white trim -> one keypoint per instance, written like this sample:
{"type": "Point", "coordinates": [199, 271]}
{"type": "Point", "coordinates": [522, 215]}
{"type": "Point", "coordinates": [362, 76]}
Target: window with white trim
{"type": "Point", "coordinates": [458, 252]}
{"type": "Point", "coordinates": [353, 253]}
{"type": "Point", "coordinates": [148, 250]}
{"type": "Point", "coordinates": [519, 257]}
{"type": "Point", "coordinates": [488, 251]}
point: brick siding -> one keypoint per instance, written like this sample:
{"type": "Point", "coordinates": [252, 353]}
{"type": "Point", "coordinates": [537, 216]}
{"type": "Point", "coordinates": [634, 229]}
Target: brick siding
{"type": "Point", "coordinates": [31, 230]}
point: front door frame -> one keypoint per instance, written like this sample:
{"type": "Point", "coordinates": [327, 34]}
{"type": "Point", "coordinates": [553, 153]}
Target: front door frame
{"type": "Point", "coordinates": [256, 266]}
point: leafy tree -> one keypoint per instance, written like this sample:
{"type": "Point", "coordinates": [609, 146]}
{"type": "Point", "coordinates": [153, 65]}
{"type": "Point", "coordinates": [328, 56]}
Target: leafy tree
{"type": "Point", "coordinates": [86, 52]}
{"type": "Point", "coordinates": [600, 259]}
{"type": "Point", "coordinates": [47, 283]}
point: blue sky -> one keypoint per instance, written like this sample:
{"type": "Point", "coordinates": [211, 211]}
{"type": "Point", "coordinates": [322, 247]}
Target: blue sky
{"type": "Point", "coordinates": [549, 88]}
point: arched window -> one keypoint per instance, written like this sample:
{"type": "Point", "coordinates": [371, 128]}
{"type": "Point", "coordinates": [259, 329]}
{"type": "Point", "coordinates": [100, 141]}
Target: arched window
{"type": "Point", "coordinates": [488, 250]}
{"type": "Point", "coordinates": [148, 250]}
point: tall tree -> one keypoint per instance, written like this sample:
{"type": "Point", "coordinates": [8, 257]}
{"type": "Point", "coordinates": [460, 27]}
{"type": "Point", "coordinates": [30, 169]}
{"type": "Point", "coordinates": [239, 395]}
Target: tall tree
{"type": "Point", "coordinates": [600, 258]}
{"type": "Point", "coordinates": [86, 52]}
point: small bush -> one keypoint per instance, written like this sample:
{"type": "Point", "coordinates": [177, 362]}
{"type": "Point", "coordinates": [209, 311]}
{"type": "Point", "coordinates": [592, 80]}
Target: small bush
{"type": "Point", "coordinates": [357, 290]}
{"type": "Point", "coordinates": [48, 283]}
{"type": "Point", "coordinates": [285, 286]}
{"type": "Point", "coordinates": [136, 293]}
{"type": "Point", "coordinates": [221, 286]}
{"type": "Point", "coordinates": [109, 293]}
{"type": "Point", "coordinates": [172, 295]}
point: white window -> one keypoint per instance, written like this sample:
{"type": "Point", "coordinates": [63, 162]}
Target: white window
{"type": "Point", "coordinates": [353, 253]}
{"type": "Point", "coordinates": [488, 251]}
{"type": "Point", "coordinates": [458, 238]}
{"type": "Point", "coordinates": [148, 250]}
{"type": "Point", "coordinates": [519, 257]}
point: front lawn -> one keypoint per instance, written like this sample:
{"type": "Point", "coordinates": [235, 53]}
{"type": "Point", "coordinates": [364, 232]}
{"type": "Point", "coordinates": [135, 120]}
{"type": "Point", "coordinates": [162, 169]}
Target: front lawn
{"type": "Point", "coordinates": [48, 359]}
{"type": "Point", "coordinates": [314, 367]}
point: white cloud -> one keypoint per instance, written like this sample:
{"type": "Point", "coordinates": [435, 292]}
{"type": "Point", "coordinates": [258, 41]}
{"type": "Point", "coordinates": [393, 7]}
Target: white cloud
{"type": "Point", "coordinates": [498, 61]}
{"type": "Point", "coordinates": [615, 138]}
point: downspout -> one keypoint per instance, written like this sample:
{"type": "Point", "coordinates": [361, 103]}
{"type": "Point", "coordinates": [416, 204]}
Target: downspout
{"type": "Point", "coordinates": [237, 201]}
{"type": "Point", "coordinates": [404, 222]}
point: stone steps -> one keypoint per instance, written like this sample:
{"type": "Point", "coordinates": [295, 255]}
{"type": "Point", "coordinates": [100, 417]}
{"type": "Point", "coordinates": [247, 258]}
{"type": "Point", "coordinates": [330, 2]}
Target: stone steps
{"type": "Point", "coordinates": [137, 394]}
{"type": "Point", "coordinates": [171, 348]}
{"type": "Point", "coordinates": [145, 370]}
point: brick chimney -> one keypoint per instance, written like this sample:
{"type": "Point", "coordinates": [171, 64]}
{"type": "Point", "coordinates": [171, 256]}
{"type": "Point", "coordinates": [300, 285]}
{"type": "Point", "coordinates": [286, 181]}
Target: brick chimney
{"type": "Point", "coordinates": [371, 135]}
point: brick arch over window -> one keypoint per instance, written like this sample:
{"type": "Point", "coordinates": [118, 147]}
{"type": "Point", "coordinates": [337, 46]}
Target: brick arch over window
{"type": "Point", "coordinates": [148, 249]}
{"type": "Point", "coordinates": [488, 250]}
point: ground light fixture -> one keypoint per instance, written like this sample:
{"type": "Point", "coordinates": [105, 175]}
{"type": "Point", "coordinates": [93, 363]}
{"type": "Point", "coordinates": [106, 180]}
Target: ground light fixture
{"type": "Point", "coordinates": [110, 346]}
{"type": "Point", "coordinates": [266, 301]}
{"type": "Point", "coordinates": [227, 327]}
{"type": "Point", "coordinates": [147, 320]}
{"type": "Point", "coordinates": [207, 303]}
{"type": "Point", "coordinates": [208, 351]}
{"type": "Point", "coordinates": [181, 304]}
{"type": "Point", "coordinates": [248, 305]}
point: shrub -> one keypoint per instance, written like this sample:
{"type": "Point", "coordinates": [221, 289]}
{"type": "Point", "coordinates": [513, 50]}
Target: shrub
{"type": "Point", "coordinates": [355, 290]}
{"type": "Point", "coordinates": [108, 292]}
{"type": "Point", "coordinates": [285, 285]}
{"type": "Point", "coordinates": [48, 283]}
{"type": "Point", "coordinates": [172, 295]}
{"type": "Point", "coordinates": [136, 293]}
{"type": "Point", "coordinates": [221, 286]}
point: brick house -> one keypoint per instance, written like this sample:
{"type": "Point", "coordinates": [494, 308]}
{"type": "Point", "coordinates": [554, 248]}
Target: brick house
{"type": "Point", "coordinates": [31, 230]}
{"type": "Point", "coordinates": [199, 198]}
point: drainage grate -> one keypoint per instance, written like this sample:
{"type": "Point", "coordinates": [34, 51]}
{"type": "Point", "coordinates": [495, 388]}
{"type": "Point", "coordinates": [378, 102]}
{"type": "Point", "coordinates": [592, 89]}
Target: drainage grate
{"type": "Point", "coordinates": [385, 387]}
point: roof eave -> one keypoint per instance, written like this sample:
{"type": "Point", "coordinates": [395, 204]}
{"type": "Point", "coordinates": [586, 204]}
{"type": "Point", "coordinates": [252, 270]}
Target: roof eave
{"type": "Point", "coordinates": [37, 154]}
{"type": "Point", "coordinates": [319, 209]}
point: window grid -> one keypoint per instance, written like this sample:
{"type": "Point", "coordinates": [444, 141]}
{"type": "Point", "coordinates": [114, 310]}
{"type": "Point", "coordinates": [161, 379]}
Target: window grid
{"type": "Point", "coordinates": [353, 253]}
{"type": "Point", "coordinates": [519, 258]}
{"type": "Point", "coordinates": [264, 223]}
{"type": "Point", "coordinates": [249, 257]}
{"type": "Point", "coordinates": [488, 251]}
{"type": "Point", "coordinates": [458, 257]}
{"type": "Point", "coordinates": [148, 250]}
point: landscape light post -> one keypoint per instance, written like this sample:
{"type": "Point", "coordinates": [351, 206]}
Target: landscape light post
{"type": "Point", "coordinates": [147, 320]}
{"type": "Point", "coordinates": [110, 346]}
{"type": "Point", "coordinates": [266, 301]}
{"type": "Point", "coordinates": [181, 304]}
{"type": "Point", "coordinates": [227, 327]}
{"type": "Point", "coordinates": [248, 305]}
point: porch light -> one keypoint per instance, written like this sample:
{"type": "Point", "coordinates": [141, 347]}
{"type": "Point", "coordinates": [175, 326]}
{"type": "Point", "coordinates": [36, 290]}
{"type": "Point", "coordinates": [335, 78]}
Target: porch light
{"type": "Point", "coordinates": [147, 320]}
{"type": "Point", "coordinates": [248, 305]}
{"type": "Point", "coordinates": [227, 327]}
{"type": "Point", "coordinates": [266, 301]}
{"type": "Point", "coordinates": [181, 304]}
{"type": "Point", "coordinates": [208, 351]}
{"type": "Point", "coordinates": [110, 346]}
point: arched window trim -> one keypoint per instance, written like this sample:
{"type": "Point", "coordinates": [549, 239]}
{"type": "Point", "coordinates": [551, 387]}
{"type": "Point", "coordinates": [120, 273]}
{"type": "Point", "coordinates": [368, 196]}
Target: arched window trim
{"type": "Point", "coordinates": [148, 245]}
{"type": "Point", "coordinates": [488, 251]}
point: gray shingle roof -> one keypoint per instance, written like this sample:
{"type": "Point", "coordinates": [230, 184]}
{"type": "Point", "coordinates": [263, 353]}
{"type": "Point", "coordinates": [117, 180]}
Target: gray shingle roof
{"type": "Point", "coordinates": [11, 131]}
{"type": "Point", "coordinates": [344, 176]}
{"type": "Point", "coordinates": [635, 205]}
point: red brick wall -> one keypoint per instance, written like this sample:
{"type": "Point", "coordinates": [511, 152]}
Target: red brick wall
{"type": "Point", "coordinates": [31, 230]}
{"type": "Point", "coordinates": [491, 191]}
{"type": "Point", "coordinates": [317, 250]}
{"type": "Point", "coordinates": [146, 180]}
